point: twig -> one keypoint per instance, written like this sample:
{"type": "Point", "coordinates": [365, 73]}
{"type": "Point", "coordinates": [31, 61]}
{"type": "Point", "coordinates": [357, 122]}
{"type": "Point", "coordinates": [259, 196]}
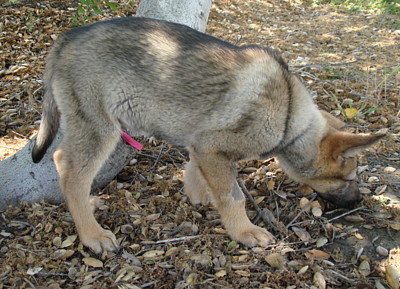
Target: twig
{"type": "Point", "coordinates": [324, 64]}
{"type": "Point", "coordinates": [12, 97]}
{"type": "Point", "coordinates": [30, 283]}
{"type": "Point", "coordinates": [180, 239]}
{"type": "Point", "coordinates": [302, 210]}
{"type": "Point", "coordinates": [341, 276]}
{"type": "Point", "coordinates": [149, 284]}
{"type": "Point", "coordinates": [380, 219]}
{"type": "Point", "coordinates": [8, 147]}
{"type": "Point", "coordinates": [259, 211]}
{"type": "Point", "coordinates": [347, 213]}
{"type": "Point", "coordinates": [45, 273]}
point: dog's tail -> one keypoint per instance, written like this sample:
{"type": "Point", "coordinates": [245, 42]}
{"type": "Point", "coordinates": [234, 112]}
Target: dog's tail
{"type": "Point", "coordinates": [48, 126]}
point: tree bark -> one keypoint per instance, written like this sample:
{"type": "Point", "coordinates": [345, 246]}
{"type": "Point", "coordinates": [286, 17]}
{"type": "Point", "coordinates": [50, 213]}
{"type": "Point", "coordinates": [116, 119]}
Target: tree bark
{"type": "Point", "coordinates": [193, 13]}
{"type": "Point", "coordinates": [23, 180]}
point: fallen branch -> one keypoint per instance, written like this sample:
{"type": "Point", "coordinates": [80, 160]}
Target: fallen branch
{"type": "Point", "coordinates": [179, 239]}
{"type": "Point", "coordinates": [345, 214]}
{"type": "Point", "coordinates": [259, 211]}
{"type": "Point", "coordinates": [302, 210]}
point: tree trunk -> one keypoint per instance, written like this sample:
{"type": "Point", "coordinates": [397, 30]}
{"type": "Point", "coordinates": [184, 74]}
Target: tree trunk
{"type": "Point", "coordinates": [193, 13]}
{"type": "Point", "coordinates": [23, 180]}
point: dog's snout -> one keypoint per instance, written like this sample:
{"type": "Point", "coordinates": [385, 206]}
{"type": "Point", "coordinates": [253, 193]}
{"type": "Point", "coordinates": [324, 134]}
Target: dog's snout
{"type": "Point", "coordinates": [346, 198]}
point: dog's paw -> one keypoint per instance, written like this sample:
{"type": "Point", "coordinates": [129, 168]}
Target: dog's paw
{"type": "Point", "coordinates": [104, 240]}
{"type": "Point", "coordinates": [199, 197]}
{"type": "Point", "coordinates": [254, 237]}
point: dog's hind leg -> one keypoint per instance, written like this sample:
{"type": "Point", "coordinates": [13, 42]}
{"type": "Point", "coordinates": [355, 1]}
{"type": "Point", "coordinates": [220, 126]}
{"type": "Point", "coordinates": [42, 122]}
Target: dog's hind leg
{"type": "Point", "coordinates": [78, 159]}
{"type": "Point", "coordinates": [220, 175]}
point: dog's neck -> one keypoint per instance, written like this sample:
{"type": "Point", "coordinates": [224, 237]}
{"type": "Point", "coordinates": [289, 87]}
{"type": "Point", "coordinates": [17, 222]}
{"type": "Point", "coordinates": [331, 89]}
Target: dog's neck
{"type": "Point", "coordinates": [297, 156]}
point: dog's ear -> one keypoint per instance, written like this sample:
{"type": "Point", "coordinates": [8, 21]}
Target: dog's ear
{"type": "Point", "coordinates": [333, 121]}
{"type": "Point", "coordinates": [347, 144]}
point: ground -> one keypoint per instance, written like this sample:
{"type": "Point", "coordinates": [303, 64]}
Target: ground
{"type": "Point", "coordinates": [349, 60]}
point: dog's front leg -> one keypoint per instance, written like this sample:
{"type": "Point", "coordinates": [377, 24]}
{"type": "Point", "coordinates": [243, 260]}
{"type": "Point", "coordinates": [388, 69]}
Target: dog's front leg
{"type": "Point", "coordinates": [220, 175]}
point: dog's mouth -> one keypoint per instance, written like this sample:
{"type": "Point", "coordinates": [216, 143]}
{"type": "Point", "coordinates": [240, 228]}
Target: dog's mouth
{"type": "Point", "coordinates": [346, 198]}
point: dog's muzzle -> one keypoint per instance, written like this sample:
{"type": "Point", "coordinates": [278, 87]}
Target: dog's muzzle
{"type": "Point", "coordinates": [346, 198]}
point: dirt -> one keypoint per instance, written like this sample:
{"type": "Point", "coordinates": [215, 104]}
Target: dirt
{"type": "Point", "coordinates": [350, 63]}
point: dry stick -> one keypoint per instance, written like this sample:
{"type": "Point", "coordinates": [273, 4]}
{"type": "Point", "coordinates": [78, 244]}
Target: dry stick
{"type": "Point", "coordinates": [340, 276]}
{"type": "Point", "coordinates": [8, 147]}
{"type": "Point", "coordinates": [259, 211]}
{"type": "Point", "coordinates": [347, 213]}
{"type": "Point", "coordinates": [184, 238]}
{"type": "Point", "coordinates": [302, 210]}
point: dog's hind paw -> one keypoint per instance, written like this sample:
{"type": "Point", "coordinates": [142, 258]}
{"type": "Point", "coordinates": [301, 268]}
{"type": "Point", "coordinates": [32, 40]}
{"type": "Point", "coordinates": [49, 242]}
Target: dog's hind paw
{"type": "Point", "coordinates": [103, 241]}
{"type": "Point", "coordinates": [254, 237]}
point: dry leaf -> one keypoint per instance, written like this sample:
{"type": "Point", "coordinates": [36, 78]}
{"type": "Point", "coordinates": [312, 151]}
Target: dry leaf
{"type": "Point", "coordinates": [258, 200]}
{"type": "Point", "coordinates": [354, 219]}
{"type": "Point", "coordinates": [350, 112]}
{"type": "Point", "coordinates": [304, 202]}
{"type": "Point", "coordinates": [270, 185]}
{"type": "Point", "coordinates": [380, 189]}
{"type": "Point", "coordinates": [302, 270]}
{"type": "Point", "coordinates": [153, 254]}
{"type": "Point", "coordinates": [319, 280]}
{"type": "Point", "coordinates": [317, 254]}
{"type": "Point", "coordinates": [306, 190]}
{"type": "Point", "coordinates": [364, 268]}
{"type": "Point", "coordinates": [321, 242]}
{"type": "Point", "coordinates": [171, 251]}
{"type": "Point", "coordinates": [287, 250]}
{"type": "Point", "coordinates": [275, 260]}
{"type": "Point", "coordinates": [63, 254]}
{"type": "Point", "coordinates": [34, 271]}
{"type": "Point", "coordinates": [358, 236]}
{"type": "Point", "coordinates": [93, 262]}
{"type": "Point", "coordinates": [317, 212]}
{"type": "Point", "coordinates": [302, 234]}
{"type": "Point", "coordinates": [69, 241]}
{"type": "Point", "coordinates": [221, 273]}
{"type": "Point", "coordinates": [281, 194]}
{"type": "Point", "coordinates": [243, 273]}
{"type": "Point", "coordinates": [152, 217]}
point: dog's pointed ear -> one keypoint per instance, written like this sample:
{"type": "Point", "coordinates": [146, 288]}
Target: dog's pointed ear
{"type": "Point", "coordinates": [333, 121]}
{"type": "Point", "coordinates": [347, 144]}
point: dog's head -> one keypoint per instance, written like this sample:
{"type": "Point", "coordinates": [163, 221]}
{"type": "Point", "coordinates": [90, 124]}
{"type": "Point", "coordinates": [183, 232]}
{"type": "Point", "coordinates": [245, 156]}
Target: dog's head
{"type": "Point", "coordinates": [333, 174]}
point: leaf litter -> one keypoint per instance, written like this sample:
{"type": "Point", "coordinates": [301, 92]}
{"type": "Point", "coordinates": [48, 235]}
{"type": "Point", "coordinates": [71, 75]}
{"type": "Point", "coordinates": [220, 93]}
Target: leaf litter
{"type": "Point", "coordinates": [349, 61]}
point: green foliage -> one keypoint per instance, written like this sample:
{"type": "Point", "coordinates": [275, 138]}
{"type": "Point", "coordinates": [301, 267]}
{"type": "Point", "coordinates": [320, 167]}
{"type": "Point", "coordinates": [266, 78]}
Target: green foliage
{"type": "Point", "coordinates": [382, 6]}
{"type": "Point", "coordinates": [89, 8]}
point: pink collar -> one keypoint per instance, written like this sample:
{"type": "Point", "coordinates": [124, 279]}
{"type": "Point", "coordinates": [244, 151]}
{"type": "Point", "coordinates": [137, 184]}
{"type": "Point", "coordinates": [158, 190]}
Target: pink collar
{"type": "Point", "coordinates": [131, 141]}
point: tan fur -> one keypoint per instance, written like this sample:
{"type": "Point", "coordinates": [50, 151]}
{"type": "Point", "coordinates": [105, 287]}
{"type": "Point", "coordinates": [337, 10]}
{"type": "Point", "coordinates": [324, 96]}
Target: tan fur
{"type": "Point", "coordinates": [221, 102]}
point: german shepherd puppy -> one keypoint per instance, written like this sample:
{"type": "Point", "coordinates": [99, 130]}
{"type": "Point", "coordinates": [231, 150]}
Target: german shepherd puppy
{"type": "Point", "coordinates": [222, 102]}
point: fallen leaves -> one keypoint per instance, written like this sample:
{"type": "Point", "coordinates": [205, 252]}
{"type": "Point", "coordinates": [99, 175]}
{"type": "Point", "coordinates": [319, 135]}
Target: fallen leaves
{"type": "Point", "coordinates": [93, 262]}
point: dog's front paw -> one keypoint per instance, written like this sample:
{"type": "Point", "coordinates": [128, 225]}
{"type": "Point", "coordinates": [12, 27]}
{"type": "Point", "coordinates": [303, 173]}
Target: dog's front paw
{"type": "Point", "coordinates": [103, 240]}
{"type": "Point", "coordinates": [254, 237]}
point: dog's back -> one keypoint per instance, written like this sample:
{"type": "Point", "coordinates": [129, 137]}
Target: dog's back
{"type": "Point", "coordinates": [164, 79]}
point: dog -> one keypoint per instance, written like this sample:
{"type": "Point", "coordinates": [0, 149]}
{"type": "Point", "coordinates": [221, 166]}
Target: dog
{"type": "Point", "coordinates": [221, 102]}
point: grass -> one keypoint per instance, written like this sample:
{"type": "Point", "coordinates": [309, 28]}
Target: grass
{"type": "Point", "coordinates": [381, 6]}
